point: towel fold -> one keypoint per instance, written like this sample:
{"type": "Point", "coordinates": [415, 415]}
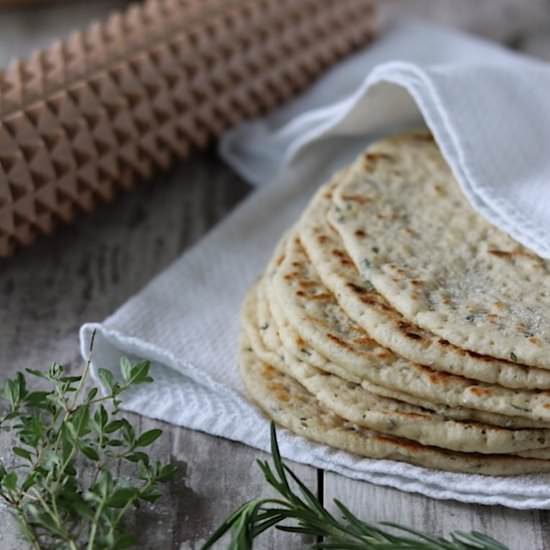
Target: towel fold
{"type": "Point", "coordinates": [489, 110]}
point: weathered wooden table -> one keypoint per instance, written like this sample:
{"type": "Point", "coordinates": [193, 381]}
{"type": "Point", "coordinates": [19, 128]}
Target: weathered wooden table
{"type": "Point", "coordinates": [88, 270]}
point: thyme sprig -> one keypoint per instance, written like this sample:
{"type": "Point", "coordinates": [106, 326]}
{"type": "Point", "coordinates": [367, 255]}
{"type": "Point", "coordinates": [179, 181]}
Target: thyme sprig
{"type": "Point", "coordinates": [297, 504]}
{"type": "Point", "coordinates": [60, 483]}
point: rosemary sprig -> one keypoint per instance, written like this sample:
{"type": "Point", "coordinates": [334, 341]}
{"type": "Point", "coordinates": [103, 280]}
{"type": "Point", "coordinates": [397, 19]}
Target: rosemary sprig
{"type": "Point", "coordinates": [308, 516]}
{"type": "Point", "coordinates": [60, 483]}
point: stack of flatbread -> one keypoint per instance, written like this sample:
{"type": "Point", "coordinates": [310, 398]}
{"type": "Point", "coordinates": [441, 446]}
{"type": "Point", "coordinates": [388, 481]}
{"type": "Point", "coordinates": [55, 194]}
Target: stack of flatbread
{"type": "Point", "coordinates": [394, 322]}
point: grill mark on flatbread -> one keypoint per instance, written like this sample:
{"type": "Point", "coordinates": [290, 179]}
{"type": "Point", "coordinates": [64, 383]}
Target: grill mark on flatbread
{"type": "Point", "coordinates": [373, 312]}
{"type": "Point", "coordinates": [333, 334]}
{"type": "Point", "coordinates": [290, 405]}
{"type": "Point", "coordinates": [440, 264]}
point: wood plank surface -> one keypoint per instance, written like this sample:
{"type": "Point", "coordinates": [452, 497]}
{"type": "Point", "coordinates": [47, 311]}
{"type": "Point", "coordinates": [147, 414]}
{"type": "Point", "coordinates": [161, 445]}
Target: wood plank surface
{"type": "Point", "coordinates": [518, 529]}
{"type": "Point", "coordinates": [214, 477]}
{"type": "Point", "coordinates": [86, 271]}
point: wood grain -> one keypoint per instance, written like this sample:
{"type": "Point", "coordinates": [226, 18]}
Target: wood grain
{"type": "Point", "coordinates": [214, 477]}
{"type": "Point", "coordinates": [518, 529]}
{"type": "Point", "coordinates": [88, 270]}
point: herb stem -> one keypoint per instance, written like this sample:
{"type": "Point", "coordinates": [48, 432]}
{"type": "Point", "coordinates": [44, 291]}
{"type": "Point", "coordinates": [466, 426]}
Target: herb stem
{"type": "Point", "coordinates": [57, 431]}
{"type": "Point", "coordinates": [109, 397]}
{"type": "Point", "coordinates": [54, 517]}
{"type": "Point", "coordinates": [28, 533]}
{"type": "Point", "coordinates": [85, 372]}
{"type": "Point", "coordinates": [94, 525]}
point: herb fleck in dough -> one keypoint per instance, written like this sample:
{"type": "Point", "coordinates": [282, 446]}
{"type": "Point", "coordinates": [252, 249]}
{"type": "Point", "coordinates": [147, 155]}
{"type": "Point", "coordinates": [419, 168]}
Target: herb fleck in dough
{"type": "Point", "coordinates": [439, 263]}
{"type": "Point", "coordinates": [369, 309]}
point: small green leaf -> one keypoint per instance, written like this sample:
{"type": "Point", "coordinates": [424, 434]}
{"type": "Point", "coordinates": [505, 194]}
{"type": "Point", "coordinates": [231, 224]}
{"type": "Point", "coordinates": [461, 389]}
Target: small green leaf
{"type": "Point", "coordinates": [78, 504]}
{"type": "Point", "coordinates": [36, 398]}
{"type": "Point", "coordinates": [50, 460]}
{"type": "Point", "coordinates": [80, 419]}
{"type": "Point", "coordinates": [92, 393]}
{"type": "Point", "coordinates": [113, 426]}
{"type": "Point", "coordinates": [121, 497]}
{"type": "Point", "coordinates": [55, 372]}
{"type": "Point", "coordinates": [23, 453]}
{"type": "Point", "coordinates": [128, 432]}
{"type": "Point", "coordinates": [29, 481]}
{"type": "Point", "coordinates": [104, 483]}
{"type": "Point", "coordinates": [125, 368]}
{"type": "Point", "coordinates": [167, 472]}
{"type": "Point", "coordinates": [150, 496]}
{"type": "Point", "coordinates": [147, 438]}
{"type": "Point", "coordinates": [140, 373]}
{"type": "Point", "coordinates": [101, 417]}
{"type": "Point", "coordinates": [9, 481]}
{"type": "Point", "coordinates": [106, 377]}
{"type": "Point", "coordinates": [90, 452]}
{"type": "Point", "coordinates": [12, 392]}
{"type": "Point", "coordinates": [138, 456]}
{"type": "Point", "coordinates": [68, 443]}
{"type": "Point", "coordinates": [70, 379]}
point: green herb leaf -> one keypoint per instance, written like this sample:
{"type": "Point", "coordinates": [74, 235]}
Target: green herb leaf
{"type": "Point", "coordinates": [125, 369]}
{"type": "Point", "coordinates": [113, 426]}
{"type": "Point", "coordinates": [90, 452]}
{"type": "Point", "coordinates": [9, 481]}
{"type": "Point", "coordinates": [19, 451]}
{"type": "Point", "coordinates": [147, 438]}
{"type": "Point", "coordinates": [140, 373]}
{"type": "Point", "coordinates": [92, 394]}
{"type": "Point", "coordinates": [106, 377]}
{"type": "Point", "coordinates": [37, 398]}
{"type": "Point", "coordinates": [101, 417]}
{"type": "Point", "coordinates": [150, 495]}
{"type": "Point", "coordinates": [167, 472]}
{"type": "Point", "coordinates": [56, 502]}
{"type": "Point", "coordinates": [138, 456]}
{"type": "Point", "coordinates": [55, 372]}
{"type": "Point", "coordinates": [121, 497]}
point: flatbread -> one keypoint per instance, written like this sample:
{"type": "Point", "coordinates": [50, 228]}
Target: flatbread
{"type": "Point", "coordinates": [319, 320]}
{"type": "Point", "coordinates": [369, 309]}
{"type": "Point", "coordinates": [381, 414]}
{"type": "Point", "coordinates": [461, 414]}
{"type": "Point", "coordinates": [290, 405]}
{"type": "Point", "coordinates": [436, 260]}
{"type": "Point", "coordinates": [275, 328]}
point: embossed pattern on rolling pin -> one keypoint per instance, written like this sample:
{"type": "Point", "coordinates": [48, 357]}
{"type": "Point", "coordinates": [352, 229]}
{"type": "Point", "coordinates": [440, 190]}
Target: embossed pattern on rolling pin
{"type": "Point", "coordinates": [105, 108]}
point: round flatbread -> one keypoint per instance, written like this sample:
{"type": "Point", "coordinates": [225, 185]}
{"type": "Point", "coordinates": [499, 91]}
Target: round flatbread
{"type": "Point", "coordinates": [290, 405]}
{"type": "Point", "coordinates": [369, 309]}
{"type": "Point", "coordinates": [315, 314]}
{"type": "Point", "coordinates": [437, 261]}
{"type": "Point", "coordinates": [354, 403]}
{"type": "Point", "coordinates": [292, 341]}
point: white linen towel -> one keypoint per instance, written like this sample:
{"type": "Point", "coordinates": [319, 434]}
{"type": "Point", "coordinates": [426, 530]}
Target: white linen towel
{"type": "Point", "coordinates": [489, 110]}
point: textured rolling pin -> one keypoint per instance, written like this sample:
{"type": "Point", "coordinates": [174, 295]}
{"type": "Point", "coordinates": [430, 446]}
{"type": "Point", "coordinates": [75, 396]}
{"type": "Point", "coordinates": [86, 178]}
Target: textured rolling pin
{"type": "Point", "coordinates": [105, 108]}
